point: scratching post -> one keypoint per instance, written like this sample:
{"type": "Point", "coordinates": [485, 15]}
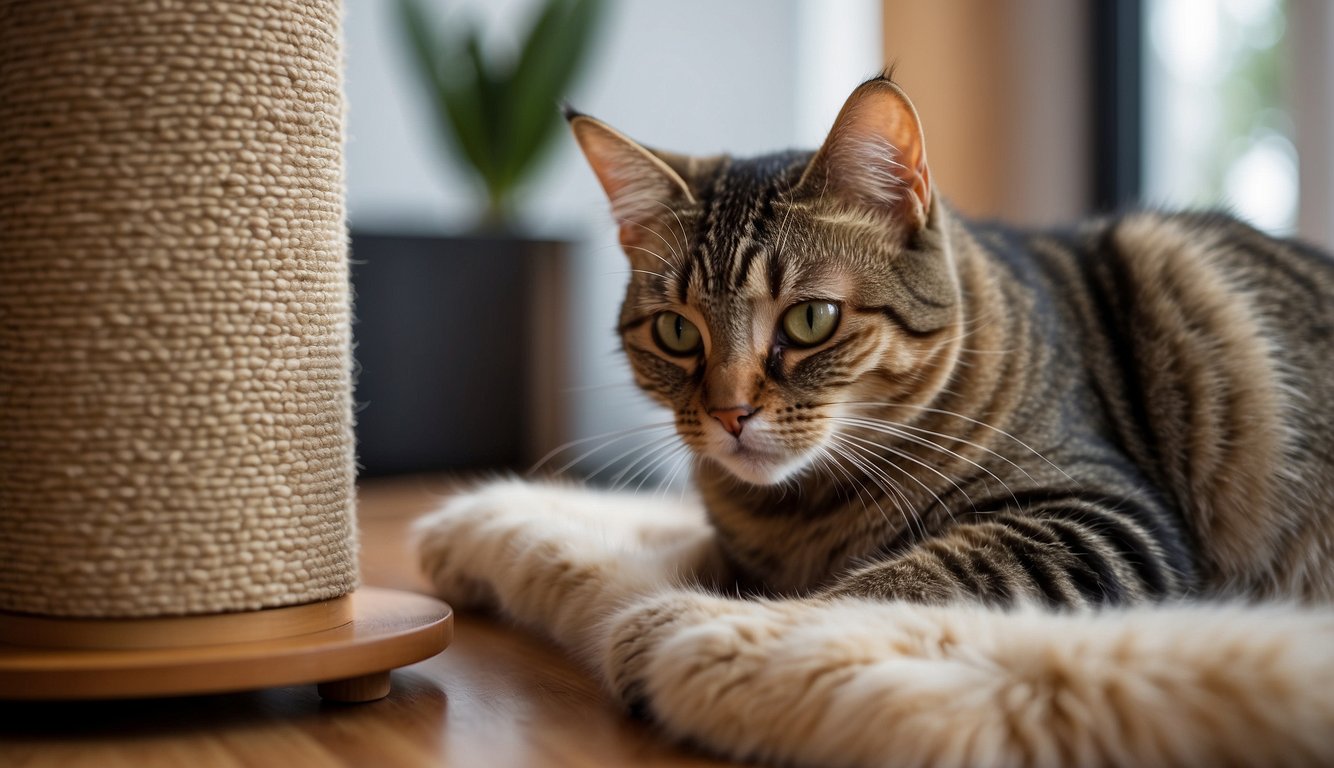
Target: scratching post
{"type": "Point", "coordinates": [176, 451]}
{"type": "Point", "coordinates": [174, 361]}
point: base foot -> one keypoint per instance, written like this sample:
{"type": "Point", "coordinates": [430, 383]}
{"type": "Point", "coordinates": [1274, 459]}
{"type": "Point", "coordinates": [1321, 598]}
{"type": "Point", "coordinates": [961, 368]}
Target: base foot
{"type": "Point", "coordinates": [355, 690]}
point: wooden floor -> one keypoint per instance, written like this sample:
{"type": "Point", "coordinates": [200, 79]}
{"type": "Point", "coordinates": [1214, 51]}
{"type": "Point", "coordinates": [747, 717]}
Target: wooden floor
{"type": "Point", "coordinates": [495, 698]}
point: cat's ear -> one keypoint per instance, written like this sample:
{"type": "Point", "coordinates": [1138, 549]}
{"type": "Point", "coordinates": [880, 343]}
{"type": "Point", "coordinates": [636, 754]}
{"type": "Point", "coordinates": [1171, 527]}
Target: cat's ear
{"type": "Point", "coordinates": [875, 156]}
{"type": "Point", "coordinates": [640, 183]}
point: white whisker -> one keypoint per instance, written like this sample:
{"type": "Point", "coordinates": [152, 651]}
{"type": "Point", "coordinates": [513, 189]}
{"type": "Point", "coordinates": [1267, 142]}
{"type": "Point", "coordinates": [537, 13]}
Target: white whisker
{"type": "Point", "coordinates": [646, 446]}
{"type": "Point", "coordinates": [683, 460]}
{"type": "Point", "coordinates": [615, 436]}
{"type": "Point", "coordinates": [650, 273]}
{"type": "Point", "coordinates": [672, 454]}
{"type": "Point", "coordinates": [675, 253]}
{"type": "Point", "coordinates": [648, 461]}
{"type": "Point", "coordinates": [968, 419]}
{"type": "Point", "coordinates": [860, 444]}
{"type": "Point", "coordinates": [670, 266]}
{"type": "Point", "coordinates": [898, 430]}
{"type": "Point", "coordinates": [681, 226]}
{"type": "Point", "coordinates": [852, 482]}
{"type": "Point", "coordinates": [883, 482]}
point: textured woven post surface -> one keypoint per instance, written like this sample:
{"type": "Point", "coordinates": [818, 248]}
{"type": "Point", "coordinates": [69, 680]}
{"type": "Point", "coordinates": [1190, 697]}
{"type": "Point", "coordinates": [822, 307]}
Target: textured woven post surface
{"type": "Point", "coordinates": [175, 422]}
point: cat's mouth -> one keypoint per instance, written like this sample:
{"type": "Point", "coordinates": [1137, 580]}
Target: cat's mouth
{"type": "Point", "coordinates": [760, 467]}
{"type": "Point", "coordinates": [751, 459]}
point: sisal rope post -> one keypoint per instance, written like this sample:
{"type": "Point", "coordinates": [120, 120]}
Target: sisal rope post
{"type": "Point", "coordinates": [175, 394]}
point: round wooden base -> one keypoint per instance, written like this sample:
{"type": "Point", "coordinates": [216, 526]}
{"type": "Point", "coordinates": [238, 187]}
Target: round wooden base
{"type": "Point", "coordinates": [385, 629]}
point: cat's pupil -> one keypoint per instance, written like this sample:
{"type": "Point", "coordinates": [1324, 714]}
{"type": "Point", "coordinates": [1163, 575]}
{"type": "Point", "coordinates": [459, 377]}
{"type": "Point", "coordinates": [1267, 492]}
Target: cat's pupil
{"type": "Point", "coordinates": [679, 327]}
{"type": "Point", "coordinates": [810, 316]}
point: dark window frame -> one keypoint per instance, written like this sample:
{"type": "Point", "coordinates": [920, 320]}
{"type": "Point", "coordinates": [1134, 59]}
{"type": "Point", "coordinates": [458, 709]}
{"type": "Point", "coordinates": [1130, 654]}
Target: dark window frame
{"type": "Point", "coordinates": [1116, 70]}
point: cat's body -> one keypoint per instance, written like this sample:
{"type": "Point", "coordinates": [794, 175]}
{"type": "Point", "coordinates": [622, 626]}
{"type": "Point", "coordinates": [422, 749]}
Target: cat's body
{"type": "Point", "coordinates": [915, 438]}
{"type": "Point", "coordinates": [1160, 376]}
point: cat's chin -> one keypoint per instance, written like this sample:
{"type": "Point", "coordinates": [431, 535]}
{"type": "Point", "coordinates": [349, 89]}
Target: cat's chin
{"type": "Point", "coordinates": [761, 468]}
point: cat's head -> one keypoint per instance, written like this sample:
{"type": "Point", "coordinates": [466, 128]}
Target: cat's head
{"type": "Point", "coordinates": [770, 295]}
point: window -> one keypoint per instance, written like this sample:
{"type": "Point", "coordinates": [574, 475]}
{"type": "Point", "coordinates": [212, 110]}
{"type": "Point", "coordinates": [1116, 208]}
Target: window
{"type": "Point", "coordinates": [1217, 126]}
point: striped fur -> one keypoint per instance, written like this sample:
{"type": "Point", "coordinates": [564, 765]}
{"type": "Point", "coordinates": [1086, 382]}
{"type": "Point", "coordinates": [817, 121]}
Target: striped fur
{"type": "Point", "coordinates": [1011, 447]}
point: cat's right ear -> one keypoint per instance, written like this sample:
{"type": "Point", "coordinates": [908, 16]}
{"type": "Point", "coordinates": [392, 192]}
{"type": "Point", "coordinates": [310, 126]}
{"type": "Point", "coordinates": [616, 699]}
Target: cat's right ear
{"type": "Point", "coordinates": [640, 183]}
{"type": "Point", "coordinates": [875, 156]}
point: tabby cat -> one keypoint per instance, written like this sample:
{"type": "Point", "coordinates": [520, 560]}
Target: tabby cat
{"type": "Point", "coordinates": [967, 495]}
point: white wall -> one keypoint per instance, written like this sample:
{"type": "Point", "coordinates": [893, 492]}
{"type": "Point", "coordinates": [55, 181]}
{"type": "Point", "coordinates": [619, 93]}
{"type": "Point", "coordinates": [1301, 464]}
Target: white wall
{"type": "Point", "coordinates": [742, 76]}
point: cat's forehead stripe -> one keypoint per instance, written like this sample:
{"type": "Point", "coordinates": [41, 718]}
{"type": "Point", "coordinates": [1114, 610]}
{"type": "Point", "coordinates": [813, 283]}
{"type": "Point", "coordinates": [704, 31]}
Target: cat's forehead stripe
{"type": "Point", "coordinates": [708, 231]}
{"type": "Point", "coordinates": [736, 221]}
{"type": "Point", "coordinates": [775, 273]}
{"type": "Point", "coordinates": [685, 274]}
{"type": "Point", "coordinates": [752, 241]}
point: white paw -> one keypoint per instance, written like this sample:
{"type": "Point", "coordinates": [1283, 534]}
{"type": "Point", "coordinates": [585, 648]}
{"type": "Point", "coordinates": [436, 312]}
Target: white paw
{"type": "Point", "coordinates": [465, 545]}
{"type": "Point", "coordinates": [556, 559]}
{"type": "Point", "coordinates": [442, 543]}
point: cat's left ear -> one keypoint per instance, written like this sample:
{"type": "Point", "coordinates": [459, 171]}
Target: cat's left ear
{"type": "Point", "coordinates": [875, 156]}
{"type": "Point", "coordinates": [640, 183]}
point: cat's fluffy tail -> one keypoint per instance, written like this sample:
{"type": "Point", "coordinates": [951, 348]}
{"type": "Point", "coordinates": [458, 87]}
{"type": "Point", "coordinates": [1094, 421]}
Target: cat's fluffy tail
{"type": "Point", "coordinates": [852, 684]}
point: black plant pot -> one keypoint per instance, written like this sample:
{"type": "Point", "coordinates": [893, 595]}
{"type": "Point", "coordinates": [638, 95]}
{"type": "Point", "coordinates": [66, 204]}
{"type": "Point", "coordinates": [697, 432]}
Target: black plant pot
{"type": "Point", "coordinates": [460, 350]}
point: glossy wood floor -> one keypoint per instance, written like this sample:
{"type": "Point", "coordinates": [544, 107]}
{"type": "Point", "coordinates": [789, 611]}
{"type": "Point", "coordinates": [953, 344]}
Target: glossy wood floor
{"type": "Point", "coordinates": [496, 697]}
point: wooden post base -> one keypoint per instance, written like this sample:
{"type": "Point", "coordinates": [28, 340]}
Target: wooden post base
{"type": "Point", "coordinates": [355, 690]}
{"type": "Point", "coordinates": [385, 629]}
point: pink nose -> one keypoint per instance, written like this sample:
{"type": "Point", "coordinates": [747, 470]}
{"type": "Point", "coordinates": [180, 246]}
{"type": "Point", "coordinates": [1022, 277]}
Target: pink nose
{"type": "Point", "coordinates": [731, 418]}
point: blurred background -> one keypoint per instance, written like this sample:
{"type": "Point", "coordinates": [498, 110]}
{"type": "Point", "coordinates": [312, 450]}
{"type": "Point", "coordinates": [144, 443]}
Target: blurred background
{"type": "Point", "coordinates": [485, 263]}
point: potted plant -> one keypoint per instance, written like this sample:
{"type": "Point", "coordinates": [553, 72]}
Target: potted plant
{"type": "Point", "coordinates": [458, 339]}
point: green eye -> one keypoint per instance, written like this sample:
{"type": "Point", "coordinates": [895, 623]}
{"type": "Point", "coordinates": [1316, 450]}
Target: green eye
{"type": "Point", "coordinates": [675, 334]}
{"type": "Point", "coordinates": [810, 322]}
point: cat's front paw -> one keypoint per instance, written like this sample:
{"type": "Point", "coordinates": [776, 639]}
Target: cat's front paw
{"type": "Point", "coordinates": [558, 559]}
{"type": "Point", "coordinates": [471, 546]}
{"type": "Point", "coordinates": [529, 550]}
{"type": "Point", "coordinates": [635, 635]}
{"type": "Point", "coordinates": [647, 635]}
{"type": "Point", "coordinates": [452, 542]}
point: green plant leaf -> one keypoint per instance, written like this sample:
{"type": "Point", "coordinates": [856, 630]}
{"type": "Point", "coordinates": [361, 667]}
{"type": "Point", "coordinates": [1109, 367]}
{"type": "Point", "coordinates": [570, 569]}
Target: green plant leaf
{"type": "Point", "coordinates": [450, 81]}
{"type": "Point", "coordinates": [462, 102]}
{"type": "Point", "coordinates": [416, 25]}
{"type": "Point", "coordinates": [501, 118]}
{"type": "Point", "coordinates": [486, 102]}
{"type": "Point", "coordinates": [551, 57]}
